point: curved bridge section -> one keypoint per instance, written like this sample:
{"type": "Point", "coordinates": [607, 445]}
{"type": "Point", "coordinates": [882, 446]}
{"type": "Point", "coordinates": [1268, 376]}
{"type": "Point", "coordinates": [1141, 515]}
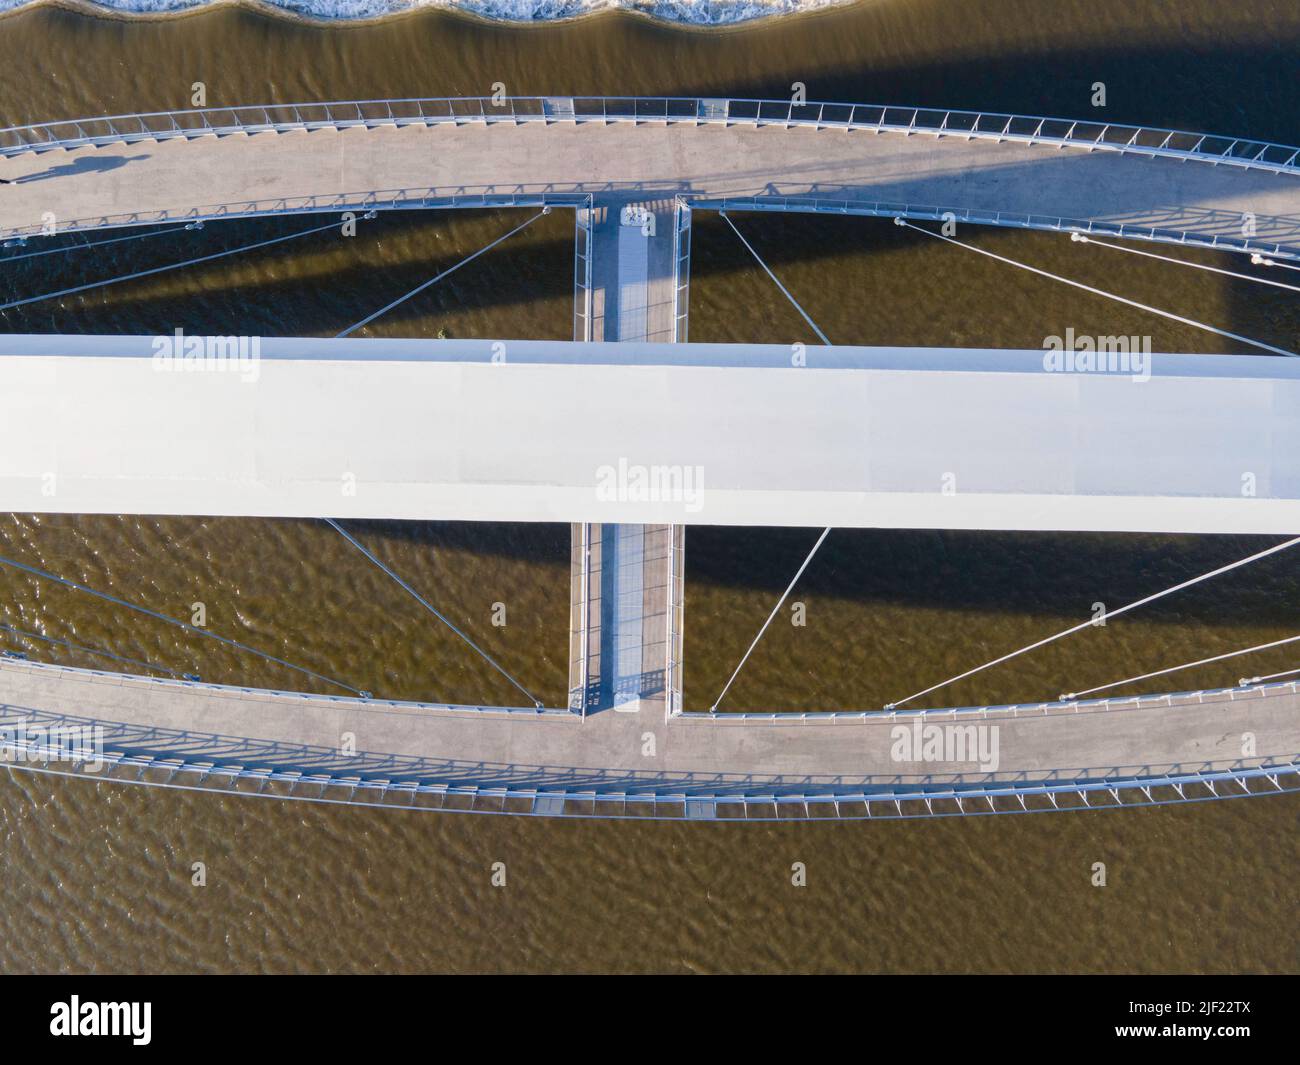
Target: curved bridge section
{"type": "Point", "coordinates": [858, 159]}
{"type": "Point", "coordinates": [990, 759]}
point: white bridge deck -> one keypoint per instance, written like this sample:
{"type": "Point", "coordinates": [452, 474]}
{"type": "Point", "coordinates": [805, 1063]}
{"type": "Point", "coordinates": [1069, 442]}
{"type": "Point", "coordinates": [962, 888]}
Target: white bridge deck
{"type": "Point", "coordinates": [860, 437]}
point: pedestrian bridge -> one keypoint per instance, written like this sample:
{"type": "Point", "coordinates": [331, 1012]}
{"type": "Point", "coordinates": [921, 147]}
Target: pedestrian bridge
{"type": "Point", "coordinates": [644, 436]}
{"type": "Point", "coordinates": [858, 159]}
{"type": "Point", "coordinates": [1056, 755]}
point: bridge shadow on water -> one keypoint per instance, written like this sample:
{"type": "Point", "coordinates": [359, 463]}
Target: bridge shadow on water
{"type": "Point", "coordinates": [320, 285]}
{"type": "Point", "coordinates": [1007, 572]}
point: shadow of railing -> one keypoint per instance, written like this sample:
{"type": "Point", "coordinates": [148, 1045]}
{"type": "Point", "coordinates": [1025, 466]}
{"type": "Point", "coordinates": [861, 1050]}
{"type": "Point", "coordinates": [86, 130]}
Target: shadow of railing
{"type": "Point", "coordinates": [156, 746]}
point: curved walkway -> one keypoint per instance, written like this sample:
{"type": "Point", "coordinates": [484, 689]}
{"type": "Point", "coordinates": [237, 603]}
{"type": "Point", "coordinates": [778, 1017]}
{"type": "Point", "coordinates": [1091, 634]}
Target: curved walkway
{"type": "Point", "coordinates": [1045, 749]}
{"type": "Point", "coordinates": [992, 169]}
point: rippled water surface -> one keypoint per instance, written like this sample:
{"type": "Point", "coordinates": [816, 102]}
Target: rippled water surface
{"type": "Point", "coordinates": [97, 877]}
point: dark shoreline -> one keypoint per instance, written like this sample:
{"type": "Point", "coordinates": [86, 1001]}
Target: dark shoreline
{"type": "Point", "coordinates": [261, 7]}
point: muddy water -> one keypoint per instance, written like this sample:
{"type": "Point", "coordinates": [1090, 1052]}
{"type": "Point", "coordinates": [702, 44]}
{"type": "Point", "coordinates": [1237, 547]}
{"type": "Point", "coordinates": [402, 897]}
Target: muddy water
{"type": "Point", "coordinates": [96, 877]}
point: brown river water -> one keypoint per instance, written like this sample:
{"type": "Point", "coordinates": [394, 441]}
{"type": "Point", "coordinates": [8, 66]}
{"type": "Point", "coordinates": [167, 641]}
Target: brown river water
{"type": "Point", "coordinates": [97, 876]}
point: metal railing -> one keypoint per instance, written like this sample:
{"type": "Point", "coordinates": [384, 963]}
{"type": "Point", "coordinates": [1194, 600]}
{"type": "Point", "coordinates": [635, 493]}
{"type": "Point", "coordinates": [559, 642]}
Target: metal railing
{"type": "Point", "coordinates": [580, 696]}
{"type": "Point", "coordinates": [1040, 709]}
{"type": "Point", "coordinates": [582, 263]}
{"type": "Point", "coordinates": [879, 118]}
{"type": "Point", "coordinates": [1227, 238]}
{"type": "Point", "coordinates": [721, 803]}
{"type": "Point", "coordinates": [780, 717]}
{"type": "Point", "coordinates": [360, 200]}
{"type": "Point", "coordinates": [581, 612]}
{"type": "Point", "coordinates": [681, 269]}
{"type": "Point", "coordinates": [109, 676]}
{"type": "Point", "coordinates": [674, 620]}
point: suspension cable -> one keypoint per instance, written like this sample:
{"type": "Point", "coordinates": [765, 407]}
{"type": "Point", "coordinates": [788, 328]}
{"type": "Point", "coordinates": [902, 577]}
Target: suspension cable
{"type": "Point", "coordinates": [784, 595]}
{"type": "Point", "coordinates": [1082, 238]}
{"type": "Point", "coordinates": [430, 608]}
{"type": "Point", "coordinates": [434, 280]}
{"type": "Point", "coordinates": [87, 650]}
{"type": "Point", "coordinates": [179, 624]}
{"type": "Point", "coordinates": [163, 269]}
{"type": "Point", "coordinates": [96, 243]}
{"type": "Point", "coordinates": [1104, 616]}
{"type": "Point", "coordinates": [1100, 292]}
{"type": "Point", "coordinates": [1263, 260]}
{"type": "Point", "coordinates": [1177, 669]}
{"type": "Point", "coordinates": [784, 291]}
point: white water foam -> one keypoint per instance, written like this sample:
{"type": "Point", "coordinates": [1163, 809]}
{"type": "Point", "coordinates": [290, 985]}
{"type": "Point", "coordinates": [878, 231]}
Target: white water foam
{"type": "Point", "coordinates": [687, 12]}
